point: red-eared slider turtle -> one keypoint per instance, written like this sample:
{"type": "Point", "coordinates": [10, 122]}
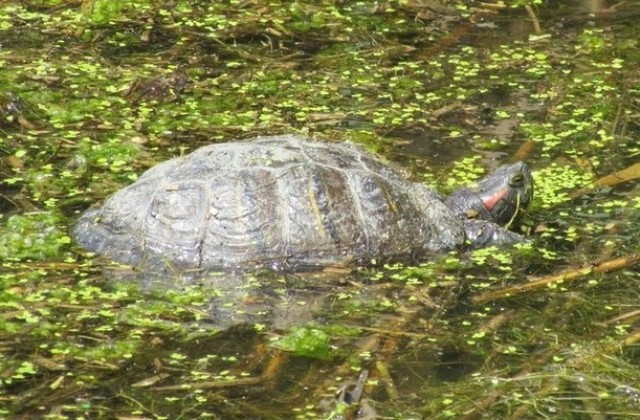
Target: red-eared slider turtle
{"type": "Point", "coordinates": [286, 202]}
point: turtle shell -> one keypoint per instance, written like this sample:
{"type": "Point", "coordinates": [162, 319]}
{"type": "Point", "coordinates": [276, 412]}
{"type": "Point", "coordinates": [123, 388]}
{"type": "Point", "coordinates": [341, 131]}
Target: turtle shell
{"type": "Point", "coordinates": [280, 201]}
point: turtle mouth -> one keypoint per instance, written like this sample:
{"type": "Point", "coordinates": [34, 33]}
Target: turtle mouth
{"type": "Point", "coordinates": [507, 205]}
{"type": "Point", "coordinates": [492, 202]}
{"type": "Point", "coordinates": [516, 207]}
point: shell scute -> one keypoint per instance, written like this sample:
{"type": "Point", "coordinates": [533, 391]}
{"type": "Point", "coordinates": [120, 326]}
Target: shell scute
{"type": "Point", "coordinates": [278, 200]}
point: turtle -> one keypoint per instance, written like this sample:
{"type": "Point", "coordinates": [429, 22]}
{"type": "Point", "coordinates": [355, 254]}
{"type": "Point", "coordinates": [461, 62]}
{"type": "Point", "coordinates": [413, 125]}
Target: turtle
{"type": "Point", "coordinates": [288, 202]}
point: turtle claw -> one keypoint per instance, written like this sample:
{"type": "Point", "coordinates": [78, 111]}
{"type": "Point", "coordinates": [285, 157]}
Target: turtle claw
{"type": "Point", "coordinates": [481, 233]}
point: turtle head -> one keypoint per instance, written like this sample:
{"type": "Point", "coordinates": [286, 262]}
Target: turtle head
{"type": "Point", "coordinates": [500, 197]}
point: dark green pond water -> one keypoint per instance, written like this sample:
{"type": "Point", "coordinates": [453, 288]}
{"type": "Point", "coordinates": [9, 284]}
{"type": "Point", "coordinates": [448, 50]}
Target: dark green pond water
{"type": "Point", "coordinates": [93, 94]}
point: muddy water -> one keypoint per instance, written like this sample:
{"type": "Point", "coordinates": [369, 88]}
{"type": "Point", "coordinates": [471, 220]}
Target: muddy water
{"type": "Point", "coordinates": [443, 91]}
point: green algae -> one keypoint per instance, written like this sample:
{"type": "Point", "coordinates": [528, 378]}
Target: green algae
{"type": "Point", "coordinates": [305, 342]}
{"type": "Point", "coordinates": [35, 236]}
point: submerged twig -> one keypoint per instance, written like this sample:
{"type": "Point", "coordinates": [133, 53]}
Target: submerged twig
{"type": "Point", "coordinates": [563, 277]}
{"type": "Point", "coordinates": [577, 362]}
{"type": "Point", "coordinates": [524, 151]}
{"type": "Point", "coordinates": [621, 318]}
{"type": "Point", "coordinates": [210, 384]}
{"type": "Point", "coordinates": [626, 174]}
{"type": "Point", "coordinates": [534, 19]}
{"type": "Point", "coordinates": [385, 375]}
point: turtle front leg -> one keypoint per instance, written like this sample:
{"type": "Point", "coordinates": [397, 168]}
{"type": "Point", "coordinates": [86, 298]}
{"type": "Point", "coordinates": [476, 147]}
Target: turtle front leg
{"type": "Point", "coordinates": [481, 233]}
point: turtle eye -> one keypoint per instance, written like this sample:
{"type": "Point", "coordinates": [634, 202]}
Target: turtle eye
{"type": "Point", "coordinates": [517, 180]}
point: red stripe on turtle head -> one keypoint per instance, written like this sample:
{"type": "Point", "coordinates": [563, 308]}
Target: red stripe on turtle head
{"type": "Point", "coordinates": [490, 201]}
